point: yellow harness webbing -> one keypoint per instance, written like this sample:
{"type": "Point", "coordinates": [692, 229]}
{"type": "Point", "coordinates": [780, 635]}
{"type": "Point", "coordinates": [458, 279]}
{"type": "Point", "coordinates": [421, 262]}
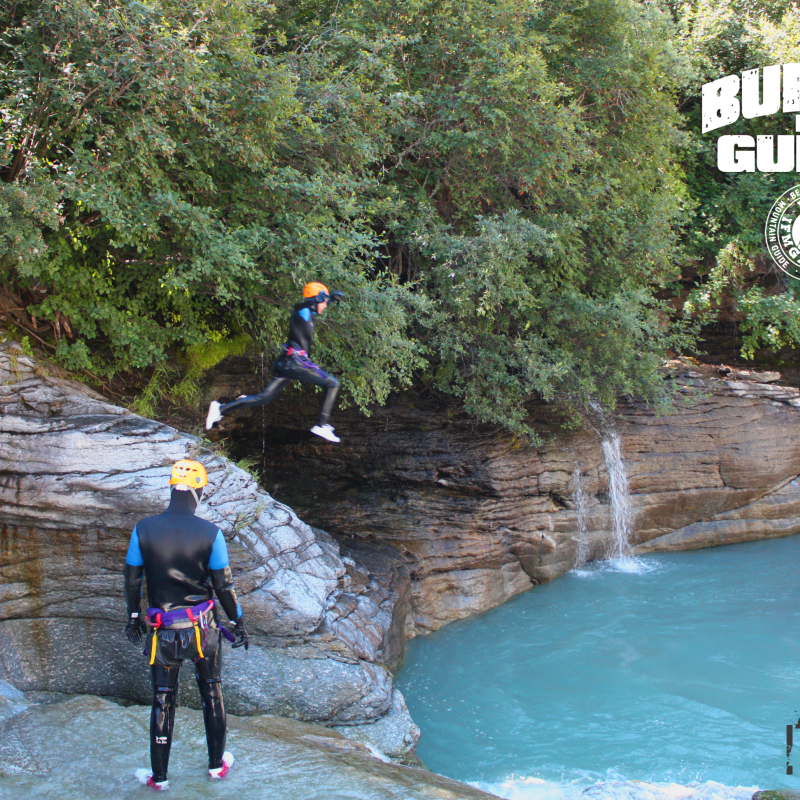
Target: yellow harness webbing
{"type": "Point", "coordinates": [154, 644]}
{"type": "Point", "coordinates": [196, 633]}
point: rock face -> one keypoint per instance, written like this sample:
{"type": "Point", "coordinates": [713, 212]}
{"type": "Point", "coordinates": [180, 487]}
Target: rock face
{"type": "Point", "coordinates": [76, 473]}
{"type": "Point", "coordinates": [434, 518]}
{"type": "Point", "coordinates": [476, 517]}
{"type": "Point", "coordinates": [100, 745]}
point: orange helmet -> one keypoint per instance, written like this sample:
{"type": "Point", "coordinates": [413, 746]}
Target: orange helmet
{"type": "Point", "coordinates": [318, 290]}
{"type": "Point", "coordinates": [189, 473]}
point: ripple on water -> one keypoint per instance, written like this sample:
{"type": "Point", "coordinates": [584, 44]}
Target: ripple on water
{"type": "Point", "coordinates": [538, 789]}
{"type": "Point", "coordinates": [680, 671]}
{"type": "Point", "coordinates": [632, 565]}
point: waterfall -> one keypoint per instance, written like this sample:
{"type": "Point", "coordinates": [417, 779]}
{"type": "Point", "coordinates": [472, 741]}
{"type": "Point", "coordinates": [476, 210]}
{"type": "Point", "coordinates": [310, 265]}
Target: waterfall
{"type": "Point", "coordinates": [581, 501]}
{"type": "Point", "coordinates": [619, 548]}
{"type": "Point", "coordinates": [621, 517]}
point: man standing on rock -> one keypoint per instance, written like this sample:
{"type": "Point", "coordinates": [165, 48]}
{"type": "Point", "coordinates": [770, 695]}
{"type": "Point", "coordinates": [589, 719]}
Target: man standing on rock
{"type": "Point", "coordinates": [294, 364]}
{"type": "Point", "coordinates": [185, 561]}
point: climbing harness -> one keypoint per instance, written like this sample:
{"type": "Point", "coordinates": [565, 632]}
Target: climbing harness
{"type": "Point", "coordinates": [156, 619]}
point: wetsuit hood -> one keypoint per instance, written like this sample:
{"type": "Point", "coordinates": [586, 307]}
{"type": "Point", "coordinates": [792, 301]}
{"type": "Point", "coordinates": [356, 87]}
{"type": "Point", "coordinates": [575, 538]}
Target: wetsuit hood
{"type": "Point", "coordinates": [309, 303]}
{"type": "Point", "coordinates": [182, 502]}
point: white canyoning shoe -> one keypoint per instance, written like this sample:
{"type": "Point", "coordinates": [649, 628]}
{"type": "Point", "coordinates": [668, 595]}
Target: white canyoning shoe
{"type": "Point", "coordinates": [213, 415]}
{"type": "Point", "coordinates": [227, 762]}
{"type": "Point", "coordinates": [145, 777]}
{"type": "Point", "coordinates": [326, 432]}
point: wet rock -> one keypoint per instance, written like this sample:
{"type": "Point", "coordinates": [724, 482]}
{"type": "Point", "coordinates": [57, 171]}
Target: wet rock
{"type": "Point", "coordinates": [776, 794]}
{"type": "Point", "coordinates": [774, 514]}
{"type": "Point", "coordinates": [394, 734]}
{"type": "Point", "coordinates": [12, 701]}
{"type": "Point", "coordinates": [90, 748]}
{"type": "Point", "coordinates": [376, 586]}
{"type": "Point", "coordinates": [76, 473]}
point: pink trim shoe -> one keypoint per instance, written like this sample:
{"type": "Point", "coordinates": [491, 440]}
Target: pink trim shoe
{"type": "Point", "coordinates": [219, 773]}
{"type": "Point", "coordinates": [145, 777]}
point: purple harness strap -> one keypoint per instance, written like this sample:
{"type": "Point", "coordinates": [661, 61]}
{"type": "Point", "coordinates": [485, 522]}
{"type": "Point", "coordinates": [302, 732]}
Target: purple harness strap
{"type": "Point", "coordinates": [226, 633]}
{"type": "Point", "coordinates": [156, 618]}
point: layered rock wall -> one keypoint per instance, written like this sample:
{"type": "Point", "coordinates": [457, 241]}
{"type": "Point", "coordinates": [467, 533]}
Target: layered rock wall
{"type": "Point", "coordinates": [76, 473]}
{"type": "Point", "coordinates": [477, 516]}
{"type": "Point", "coordinates": [434, 518]}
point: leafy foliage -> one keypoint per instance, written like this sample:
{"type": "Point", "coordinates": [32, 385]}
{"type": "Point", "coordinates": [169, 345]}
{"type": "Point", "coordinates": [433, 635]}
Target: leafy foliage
{"type": "Point", "coordinates": [160, 188]}
{"type": "Point", "coordinates": [725, 234]}
{"type": "Point", "coordinates": [768, 321]}
{"type": "Point", "coordinates": [494, 184]}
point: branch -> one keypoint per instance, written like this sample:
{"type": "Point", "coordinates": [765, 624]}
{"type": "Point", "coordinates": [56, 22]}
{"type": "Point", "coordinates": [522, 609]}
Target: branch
{"type": "Point", "coordinates": [27, 330]}
{"type": "Point", "coordinates": [105, 386]}
{"type": "Point", "coordinates": [270, 300]}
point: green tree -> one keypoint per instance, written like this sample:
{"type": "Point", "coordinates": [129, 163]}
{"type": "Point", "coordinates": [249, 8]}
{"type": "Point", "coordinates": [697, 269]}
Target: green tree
{"type": "Point", "coordinates": [164, 183]}
{"type": "Point", "coordinates": [493, 183]}
{"type": "Point", "coordinates": [725, 235]}
{"type": "Point", "coordinates": [536, 158]}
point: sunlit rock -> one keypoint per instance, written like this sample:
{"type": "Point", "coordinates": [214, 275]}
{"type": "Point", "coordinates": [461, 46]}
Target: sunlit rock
{"type": "Point", "coordinates": [76, 473]}
{"type": "Point", "coordinates": [90, 747]}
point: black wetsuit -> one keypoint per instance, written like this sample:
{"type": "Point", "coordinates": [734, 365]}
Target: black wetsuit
{"type": "Point", "coordinates": [294, 364]}
{"type": "Point", "coordinates": [185, 561]}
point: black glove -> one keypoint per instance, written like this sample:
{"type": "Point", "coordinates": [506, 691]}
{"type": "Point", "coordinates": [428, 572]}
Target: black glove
{"type": "Point", "coordinates": [222, 581]}
{"type": "Point", "coordinates": [241, 634]}
{"type": "Point", "coordinates": [336, 296]}
{"type": "Point", "coordinates": [135, 629]}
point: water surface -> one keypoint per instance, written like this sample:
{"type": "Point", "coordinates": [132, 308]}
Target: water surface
{"type": "Point", "coordinates": [685, 670]}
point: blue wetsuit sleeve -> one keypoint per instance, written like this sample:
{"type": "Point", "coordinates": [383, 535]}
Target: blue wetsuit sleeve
{"type": "Point", "coordinates": [304, 313]}
{"type": "Point", "coordinates": [219, 560]}
{"type": "Point", "coordinates": [134, 557]}
{"type": "Point", "coordinates": [219, 553]}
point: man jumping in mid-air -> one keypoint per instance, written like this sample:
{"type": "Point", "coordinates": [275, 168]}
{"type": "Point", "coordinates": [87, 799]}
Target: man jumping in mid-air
{"type": "Point", "coordinates": [294, 364]}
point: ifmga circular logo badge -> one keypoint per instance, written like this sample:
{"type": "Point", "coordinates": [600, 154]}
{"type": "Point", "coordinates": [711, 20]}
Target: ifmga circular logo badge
{"type": "Point", "coordinates": [782, 232]}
